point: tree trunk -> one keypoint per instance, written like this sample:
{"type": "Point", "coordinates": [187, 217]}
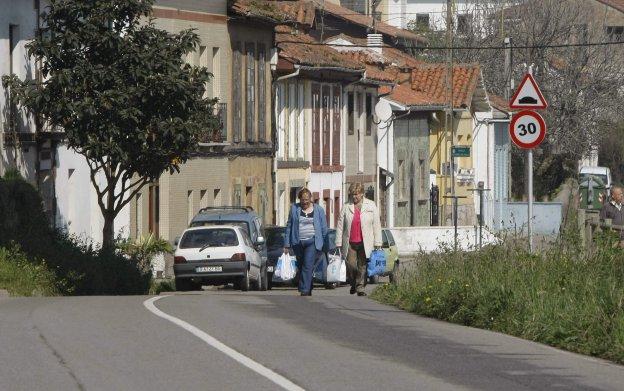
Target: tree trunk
{"type": "Point", "coordinates": [108, 232]}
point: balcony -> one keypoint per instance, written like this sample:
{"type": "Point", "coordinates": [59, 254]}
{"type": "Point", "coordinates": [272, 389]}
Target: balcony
{"type": "Point", "coordinates": [218, 135]}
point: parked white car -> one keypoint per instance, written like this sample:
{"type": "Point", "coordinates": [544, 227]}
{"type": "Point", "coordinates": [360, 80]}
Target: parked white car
{"type": "Point", "coordinates": [217, 255]}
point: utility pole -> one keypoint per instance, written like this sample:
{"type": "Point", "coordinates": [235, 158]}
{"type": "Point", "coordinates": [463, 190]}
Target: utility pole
{"type": "Point", "coordinates": [449, 86]}
{"type": "Point", "coordinates": [530, 189]}
{"type": "Point", "coordinates": [509, 87]}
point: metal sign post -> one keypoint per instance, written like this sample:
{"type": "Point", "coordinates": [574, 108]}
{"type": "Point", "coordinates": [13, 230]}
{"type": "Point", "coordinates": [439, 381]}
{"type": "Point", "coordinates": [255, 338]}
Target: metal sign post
{"type": "Point", "coordinates": [527, 130]}
{"type": "Point", "coordinates": [480, 189]}
{"type": "Point", "coordinates": [455, 198]}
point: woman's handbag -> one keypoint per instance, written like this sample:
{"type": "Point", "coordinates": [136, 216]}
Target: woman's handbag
{"type": "Point", "coordinates": [336, 267]}
{"type": "Point", "coordinates": [286, 268]}
{"type": "Point", "coordinates": [377, 264]}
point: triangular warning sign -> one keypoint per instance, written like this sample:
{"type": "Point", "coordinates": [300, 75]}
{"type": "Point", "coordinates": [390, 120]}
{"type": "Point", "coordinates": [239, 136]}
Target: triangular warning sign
{"type": "Point", "coordinates": [528, 95]}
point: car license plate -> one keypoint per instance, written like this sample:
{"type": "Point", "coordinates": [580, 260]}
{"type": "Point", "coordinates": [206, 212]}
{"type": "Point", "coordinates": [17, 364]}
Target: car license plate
{"type": "Point", "coordinates": [270, 269]}
{"type": "Point", "coordinates": [208, 269]}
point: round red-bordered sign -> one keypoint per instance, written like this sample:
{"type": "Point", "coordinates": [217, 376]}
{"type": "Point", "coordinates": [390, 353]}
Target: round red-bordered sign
{"type": "Point", "coordinates": [527, 129]}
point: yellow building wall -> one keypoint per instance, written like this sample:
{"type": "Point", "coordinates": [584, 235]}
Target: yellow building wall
{"type": "Point", "coordinates": [439, 153]}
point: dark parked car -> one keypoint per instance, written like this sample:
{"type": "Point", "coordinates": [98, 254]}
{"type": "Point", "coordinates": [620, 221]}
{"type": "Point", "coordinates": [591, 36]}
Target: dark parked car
{"type": "Point", "coordinates": [274, 236]}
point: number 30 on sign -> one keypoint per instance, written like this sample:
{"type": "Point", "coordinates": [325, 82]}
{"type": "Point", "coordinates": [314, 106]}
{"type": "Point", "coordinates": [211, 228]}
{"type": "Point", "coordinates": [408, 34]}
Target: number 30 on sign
{"type": "Point", "coordinates": [527, 129]}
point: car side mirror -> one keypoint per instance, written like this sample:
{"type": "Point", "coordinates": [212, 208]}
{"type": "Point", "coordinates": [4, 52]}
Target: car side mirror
{"type": "Point", "coordinates": [176, 241]}
{"type": "Point", "coordinates": [260, 240]}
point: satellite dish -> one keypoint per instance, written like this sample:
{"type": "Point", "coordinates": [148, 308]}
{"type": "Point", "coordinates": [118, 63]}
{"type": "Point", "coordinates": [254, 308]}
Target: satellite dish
{"type": "Point", "coordinates": [383, 111]}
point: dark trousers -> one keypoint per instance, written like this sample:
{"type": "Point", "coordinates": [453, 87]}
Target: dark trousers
{"type": "Point", "coordinates": [306, 254]}
{"type": "Point", "coordinates": [357, 266]}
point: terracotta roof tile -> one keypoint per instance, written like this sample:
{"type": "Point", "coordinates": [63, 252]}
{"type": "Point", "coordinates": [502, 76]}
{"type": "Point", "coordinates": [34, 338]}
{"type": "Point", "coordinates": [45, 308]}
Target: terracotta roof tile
{"type": "Point", "coordinates": [428, 86]}
{"type": "Point", "coordinates": [499, 103]}
{"type": "Point", "coordinates": [300, 48]}
{"type": "Point", "coordinates": [431, 79]}
{"type": "Point", "coordinates": [296, 12]}
{"type": "Point", "coordinates": [617, 4]}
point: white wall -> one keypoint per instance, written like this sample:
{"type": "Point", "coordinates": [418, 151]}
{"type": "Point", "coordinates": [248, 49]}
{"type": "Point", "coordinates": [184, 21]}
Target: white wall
{"type": "Point", "coordinates": [413, 240]}
{"type": "Point", "coordinates": [385, 157]}
{"type": "Point", "coordinates": [400, 12]}
{"type": "Point", "coordinates": [483, 160]}
{"type": "Point", "coordinates": [21, 14]}
{"type": "Point", "coordinates": [77, 208]}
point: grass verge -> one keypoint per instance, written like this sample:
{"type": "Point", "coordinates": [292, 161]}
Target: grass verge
{"type": "Point", "coordinates": [562, 297]}
{"type": "Point", "coordinates": [20, 277]}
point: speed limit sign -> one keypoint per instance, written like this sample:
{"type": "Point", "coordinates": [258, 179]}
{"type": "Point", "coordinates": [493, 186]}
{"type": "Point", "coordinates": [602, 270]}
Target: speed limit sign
{"type": "Point", "coordinates": [527, 129]}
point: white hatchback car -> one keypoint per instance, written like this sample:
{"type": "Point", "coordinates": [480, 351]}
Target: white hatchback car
{"type": "Point", "coordinates": [217, 255]}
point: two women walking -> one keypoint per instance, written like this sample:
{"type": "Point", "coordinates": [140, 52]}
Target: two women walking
{"type": "Point", "coordinates": [358, 232]}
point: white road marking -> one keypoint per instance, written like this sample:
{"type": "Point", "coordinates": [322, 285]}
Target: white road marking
{"type": "Point", "coordinates": [244, 360]}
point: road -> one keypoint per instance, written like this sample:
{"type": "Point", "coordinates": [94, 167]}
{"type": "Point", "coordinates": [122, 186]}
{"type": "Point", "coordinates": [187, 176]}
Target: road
{"type": "Point", "coordinates": [229, 340]}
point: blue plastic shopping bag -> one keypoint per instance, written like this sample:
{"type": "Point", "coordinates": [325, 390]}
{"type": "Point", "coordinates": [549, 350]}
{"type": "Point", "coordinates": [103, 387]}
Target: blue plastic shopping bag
{"type": "Point", "coordinates": [377, 263]}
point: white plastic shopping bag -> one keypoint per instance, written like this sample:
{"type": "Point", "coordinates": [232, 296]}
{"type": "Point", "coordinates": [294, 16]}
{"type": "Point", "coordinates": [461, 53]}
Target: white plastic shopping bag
{"type": "Point", "coordinates": [336, 268]}
{"type": "Point", "coordinates": [286, 268]}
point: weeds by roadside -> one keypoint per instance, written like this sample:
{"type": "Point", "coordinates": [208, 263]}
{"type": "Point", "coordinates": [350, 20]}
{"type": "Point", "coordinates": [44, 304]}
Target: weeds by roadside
{"type": "Point", "coordinates": [561, 297]}
{"type": "Point", "coordinates": [20, 277]}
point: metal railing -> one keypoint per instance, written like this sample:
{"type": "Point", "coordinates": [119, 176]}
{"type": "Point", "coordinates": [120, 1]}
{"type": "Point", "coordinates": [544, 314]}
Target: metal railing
{"type": "Point", "coordinates": [218, 135]}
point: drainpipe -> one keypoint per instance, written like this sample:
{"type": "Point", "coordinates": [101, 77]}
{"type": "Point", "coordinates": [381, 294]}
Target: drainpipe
{"type": "Point", "coordinates": [294, 74]}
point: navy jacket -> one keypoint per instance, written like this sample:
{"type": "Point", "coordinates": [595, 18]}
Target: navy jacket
{"type": "Point", "coordinates": [292, 227]}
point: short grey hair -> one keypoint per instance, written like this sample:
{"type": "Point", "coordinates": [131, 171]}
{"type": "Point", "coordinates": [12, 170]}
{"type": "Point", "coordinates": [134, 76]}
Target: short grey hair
{"type": "Point", "coordinates": [356, 188]}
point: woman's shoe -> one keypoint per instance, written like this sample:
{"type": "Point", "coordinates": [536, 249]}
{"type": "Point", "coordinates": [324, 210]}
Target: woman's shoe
{"type": "Point", "coordinates": [352, 290]}
{"type": "Point", "coordinates": [361, 293]}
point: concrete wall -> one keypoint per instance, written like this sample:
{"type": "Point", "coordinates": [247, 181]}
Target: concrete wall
{"type": "Point", "coordinates": [286, 179]}
{"type": "Point", "coordinates": [22, 15]}
{"type": "Point", "coordinates": [78, 212]}
{"type": "Point", "coordinates": [413, 240]}
{"type": "Point", "coordinates": [411, 151]}
{"type": "Point", "coordinates": [547, 217]}
{"type": "Point", "coordinates": [440, 147]}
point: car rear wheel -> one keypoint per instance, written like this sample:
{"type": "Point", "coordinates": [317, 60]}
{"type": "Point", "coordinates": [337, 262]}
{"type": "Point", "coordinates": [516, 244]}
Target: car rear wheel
{"type": "Point", "coordinates": [184, 284]}
{"type": "Point", "coordinates": [243, 282]}
{"type": "Point", "coordinates": [264, 279]}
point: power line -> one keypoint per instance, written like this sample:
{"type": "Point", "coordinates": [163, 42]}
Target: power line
{"type": "Point", "coordinates": [571, 45]}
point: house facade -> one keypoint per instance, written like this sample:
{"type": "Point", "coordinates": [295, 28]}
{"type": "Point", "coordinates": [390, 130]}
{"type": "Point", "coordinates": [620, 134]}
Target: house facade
{"type": "Point", "coordinates": [234, 165]}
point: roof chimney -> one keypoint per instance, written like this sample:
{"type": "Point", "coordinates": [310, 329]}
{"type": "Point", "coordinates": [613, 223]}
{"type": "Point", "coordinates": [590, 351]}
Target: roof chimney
{"type": "Point", "coordinates": [375, 42]}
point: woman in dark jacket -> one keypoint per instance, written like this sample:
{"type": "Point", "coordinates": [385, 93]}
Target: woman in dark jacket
{"type": "Point", "coordinates": [305, 233]}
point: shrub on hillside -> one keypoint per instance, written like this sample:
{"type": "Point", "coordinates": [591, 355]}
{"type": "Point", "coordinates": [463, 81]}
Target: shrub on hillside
{"type": "Point", "coordinates": [83, 269]}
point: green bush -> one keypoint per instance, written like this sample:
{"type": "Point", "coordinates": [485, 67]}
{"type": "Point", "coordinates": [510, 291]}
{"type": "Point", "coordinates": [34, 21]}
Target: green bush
{"type": "Point", "coordinates": [82, 269]}
{"type": "Point", "coordinates": [560, 297]}
{"type": "Point", "coordinates": [20, 277]}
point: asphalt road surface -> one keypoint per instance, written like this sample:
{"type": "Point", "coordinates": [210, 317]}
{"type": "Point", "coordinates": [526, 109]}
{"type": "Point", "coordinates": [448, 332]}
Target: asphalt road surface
{"type": "Point", "coordinates": [229, 340]}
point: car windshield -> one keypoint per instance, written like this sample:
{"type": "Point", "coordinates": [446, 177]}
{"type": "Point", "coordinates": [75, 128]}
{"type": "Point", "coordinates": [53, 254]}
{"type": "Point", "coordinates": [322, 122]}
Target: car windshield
{"type": "Point", "coordinates": [602, 178]}
{"type": "Point", "coordinates": [241, 224]}
{"type": "Point", "coordinates": [213, 237]}
{"type": "Point", "coordinates": [275, 238]}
